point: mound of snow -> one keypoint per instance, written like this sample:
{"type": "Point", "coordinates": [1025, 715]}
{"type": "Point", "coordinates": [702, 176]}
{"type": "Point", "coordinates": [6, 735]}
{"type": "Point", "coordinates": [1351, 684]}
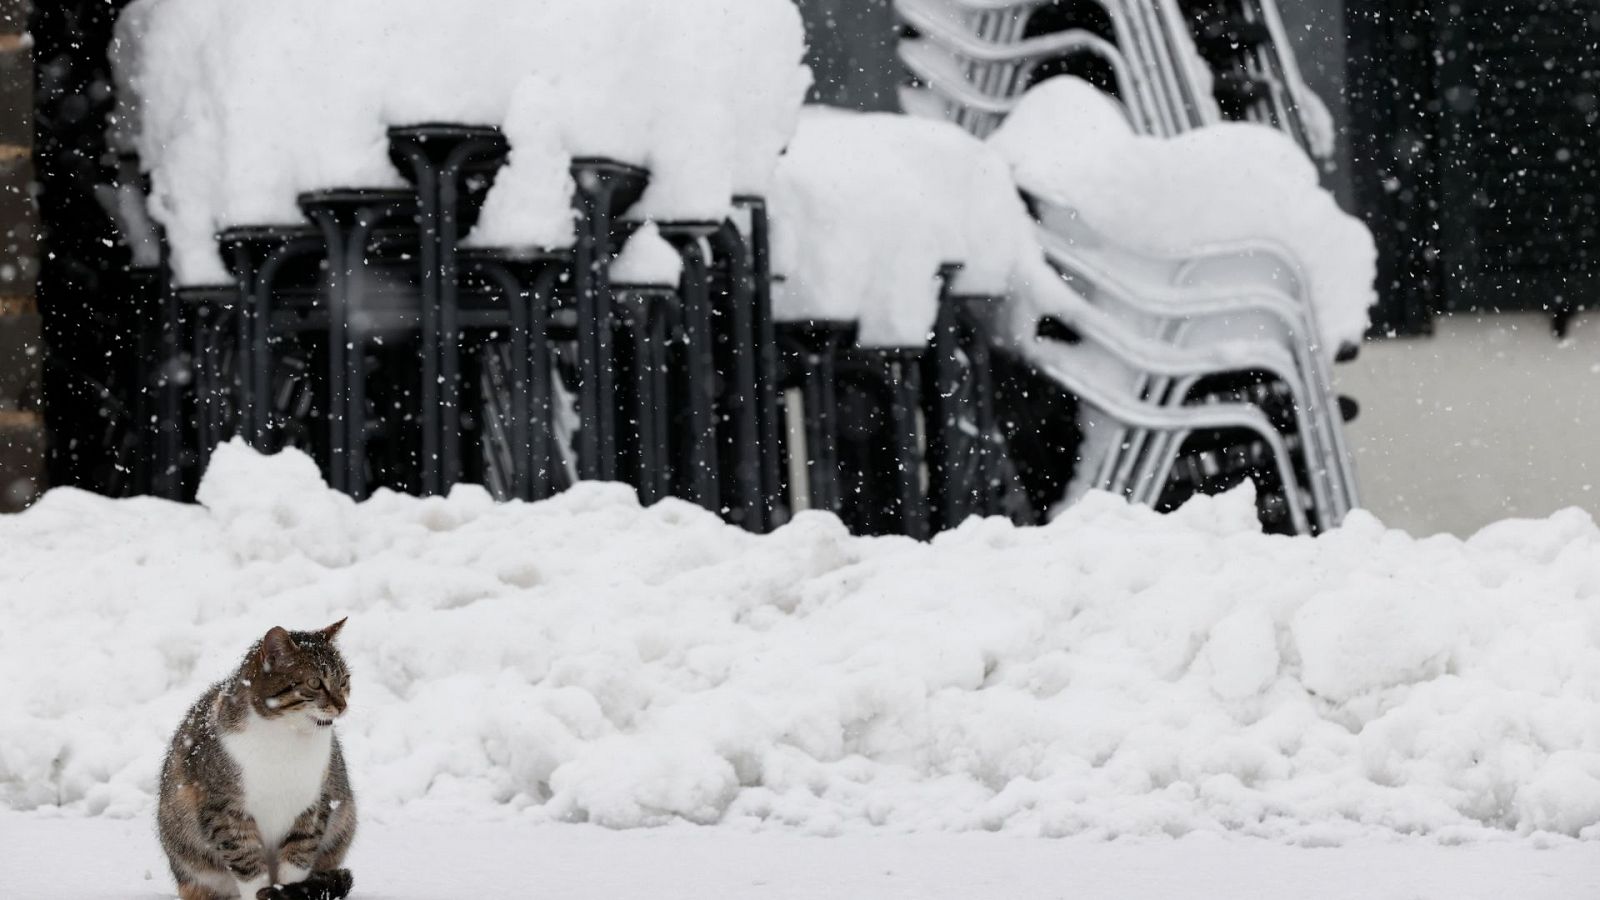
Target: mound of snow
{"type": "Point", "coordinates": [1116, 672]}
{"type": "Point", "coordinates": [647, 258]}
{"type": "Point", "coordinates": [1071, 144]}
{"type": "Point", "coordinates": [236, 106]}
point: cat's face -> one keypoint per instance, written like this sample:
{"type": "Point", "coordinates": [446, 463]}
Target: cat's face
{"type": "Point", "coordinates": [299, 676]}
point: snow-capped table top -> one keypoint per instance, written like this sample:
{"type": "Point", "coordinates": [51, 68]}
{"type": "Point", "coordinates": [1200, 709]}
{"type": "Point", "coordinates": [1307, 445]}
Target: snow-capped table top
{"type": "Point", "coordinates": [237, 106]}
{"type": "Point", "coordinates": [867, 206]}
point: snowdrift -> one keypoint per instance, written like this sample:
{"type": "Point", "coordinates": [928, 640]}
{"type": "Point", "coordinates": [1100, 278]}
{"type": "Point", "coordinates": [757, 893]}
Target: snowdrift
{"type": "Point", "coordinates": [583, 659]}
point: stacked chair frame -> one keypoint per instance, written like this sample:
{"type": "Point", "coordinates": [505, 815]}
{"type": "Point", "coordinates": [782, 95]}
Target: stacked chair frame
{"type": "Point", "coordinates": [969, 61]}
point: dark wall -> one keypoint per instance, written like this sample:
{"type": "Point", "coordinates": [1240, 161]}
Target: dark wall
{"type": "Point", "coordinates": [21, 426]}
{"type": "Point", "coordinates": [90, 358]}
{"type": "Point", "coordinates": [852, 52]}
{"type": "Point", "coordinates": [1317, 30]}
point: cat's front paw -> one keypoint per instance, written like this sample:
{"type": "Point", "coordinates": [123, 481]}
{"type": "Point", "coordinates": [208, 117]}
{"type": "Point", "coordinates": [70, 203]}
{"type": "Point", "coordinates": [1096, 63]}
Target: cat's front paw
{"type": "Point", "coordinates": [338, 881]}
{"type": "Point", "coordinates": [334, 884]}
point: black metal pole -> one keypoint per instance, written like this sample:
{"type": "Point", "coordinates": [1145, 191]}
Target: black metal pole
{"type": "Point", "coordinates": [438, 158]}
{"type": "Point", "coordinates": [905, 375]}
{"type": "Point", "coordinates": [170, 346]}
{"type": "Point", "coordinates": [347, 219]}
{"type": "Point", "coordinates": [703, 481]}
{"type": "Point", "coordinates": [739, 335]}
{"type": "Point", "coordinates": [605, 189]}
{"type": "Point", "coordinates": [951, 502]}
{"type": "Point", "coordinates": [768, 411]}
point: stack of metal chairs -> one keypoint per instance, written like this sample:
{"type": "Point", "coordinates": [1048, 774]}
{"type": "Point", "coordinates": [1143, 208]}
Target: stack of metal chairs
{"type": "Point", "coordinates": [1219, 370]}
{"type": "Point", "coordinates": [1174, 65]}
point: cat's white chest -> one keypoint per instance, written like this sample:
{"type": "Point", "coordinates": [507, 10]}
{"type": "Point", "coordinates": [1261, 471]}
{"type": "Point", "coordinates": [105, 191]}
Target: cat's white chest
{"type": "Point", "coordinates": [281, 769]}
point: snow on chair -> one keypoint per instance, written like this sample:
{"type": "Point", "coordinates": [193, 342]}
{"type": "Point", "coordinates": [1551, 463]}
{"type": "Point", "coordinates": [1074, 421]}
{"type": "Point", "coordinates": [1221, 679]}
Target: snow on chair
{"type": "Point", "coordinates": [937, 195]}
{"type": "Point", "coordinates": [1101, 191]}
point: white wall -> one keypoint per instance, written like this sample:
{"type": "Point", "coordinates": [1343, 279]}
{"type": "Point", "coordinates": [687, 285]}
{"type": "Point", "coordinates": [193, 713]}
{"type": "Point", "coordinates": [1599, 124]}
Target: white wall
{"type": "Point", "coordinates": [1490, 418]}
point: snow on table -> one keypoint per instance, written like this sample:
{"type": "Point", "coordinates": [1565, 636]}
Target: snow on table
{"type": "Point", "coordinates": [867, 206]}
{"type": "Point", "coordinates": [428, 857]}
{"type": "Point", "coordinates": [647, 259]}
{"type": "Point", "coordinates": [237, 106]}
{"type": "Point", "coordinates": [1069, 143]}
{"type": "Point", "coordinates": [1116, 673]}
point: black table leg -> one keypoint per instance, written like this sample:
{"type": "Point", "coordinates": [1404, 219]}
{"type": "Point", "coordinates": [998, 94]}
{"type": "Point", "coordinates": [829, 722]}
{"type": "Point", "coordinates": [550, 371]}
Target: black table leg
{"type": "Point", "coordinates": [605, 189]}
{"type": "Point", "coordinates": [257, 256]}
{"type": "Point", "coordinates": [738, 336]}
{"type": "Point", "coordinates": [700, 463]}
{"type": "Point", "coordinates": [439, 160]}
{"type": "Point", "coordinates": [769, 413]}
{"type": "Point", "coordinates": [347, 220]}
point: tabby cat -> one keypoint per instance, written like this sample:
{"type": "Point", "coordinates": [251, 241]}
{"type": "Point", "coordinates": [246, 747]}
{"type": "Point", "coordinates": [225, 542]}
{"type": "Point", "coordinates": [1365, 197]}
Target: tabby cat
{"type": "Point", "coordinates": [255, 801]}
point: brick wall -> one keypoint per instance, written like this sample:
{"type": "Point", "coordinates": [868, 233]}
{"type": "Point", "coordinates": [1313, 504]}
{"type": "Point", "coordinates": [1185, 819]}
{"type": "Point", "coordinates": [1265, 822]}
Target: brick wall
{"type": "Point", "coordinates": [21, 427]}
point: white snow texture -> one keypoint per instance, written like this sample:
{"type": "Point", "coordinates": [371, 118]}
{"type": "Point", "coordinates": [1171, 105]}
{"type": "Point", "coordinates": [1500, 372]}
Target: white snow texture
{"type": "Point", "coordinates": [1116, 672]}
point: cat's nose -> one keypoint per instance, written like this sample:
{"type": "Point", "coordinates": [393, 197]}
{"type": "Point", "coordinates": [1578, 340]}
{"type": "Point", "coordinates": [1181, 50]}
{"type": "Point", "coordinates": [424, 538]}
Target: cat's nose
{"type": "Point", "coordinates": [338, 702]}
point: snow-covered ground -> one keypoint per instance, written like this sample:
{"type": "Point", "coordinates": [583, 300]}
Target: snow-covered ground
{"type": "Point", "coordinates": [1244, 714]}
{"type": "Point", "coordinates": [426, 858]}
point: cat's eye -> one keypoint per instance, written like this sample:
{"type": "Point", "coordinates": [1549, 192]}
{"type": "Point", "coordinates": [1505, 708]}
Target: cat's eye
{"type": "Point", "coordinates": [315, 683]}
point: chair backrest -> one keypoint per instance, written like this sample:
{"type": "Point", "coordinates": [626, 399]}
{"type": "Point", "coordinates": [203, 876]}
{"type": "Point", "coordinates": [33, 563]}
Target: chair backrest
{"type": "Point", "coordinates": [1149, 46]}
{"type": "Point", "coordinates": [1262, 262]}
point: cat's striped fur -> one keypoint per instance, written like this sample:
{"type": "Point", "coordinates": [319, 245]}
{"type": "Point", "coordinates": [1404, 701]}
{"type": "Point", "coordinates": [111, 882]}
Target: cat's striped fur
{"type": "Point", "coordinates": [255, 799]}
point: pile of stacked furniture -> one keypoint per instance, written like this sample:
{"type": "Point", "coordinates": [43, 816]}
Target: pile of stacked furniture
{"type": "Point", "coordinates": [1172, 66]}
{"type": "Point", "coordinates": [375, 338]}
{"type": "Point", "coordinates": [372, 339]}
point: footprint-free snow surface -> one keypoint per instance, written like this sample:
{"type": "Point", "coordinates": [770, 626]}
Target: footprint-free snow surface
{"type": "Point", "coordinates": [1115, 674]}
{"type": "Point", "coordinates": [426, 857]}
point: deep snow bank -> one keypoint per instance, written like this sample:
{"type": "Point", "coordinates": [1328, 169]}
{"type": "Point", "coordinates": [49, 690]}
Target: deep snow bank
{"type": "Point", "coordinates": [1115, 672]}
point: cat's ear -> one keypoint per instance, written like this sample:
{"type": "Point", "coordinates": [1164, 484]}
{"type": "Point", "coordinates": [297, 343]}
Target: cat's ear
{"type": "Point", "coordinates": [277, 648]}
{"type": "Point", "coordinates": [332, 631]}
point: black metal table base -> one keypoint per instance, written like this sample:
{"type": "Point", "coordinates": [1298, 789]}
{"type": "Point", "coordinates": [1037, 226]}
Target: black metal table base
{"type": "Point", "coordinates": [348, 220]}
{"type": "Point", "coordinates": [604, 191]}
{"type": "Point", "coordinates": [451, 168]}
